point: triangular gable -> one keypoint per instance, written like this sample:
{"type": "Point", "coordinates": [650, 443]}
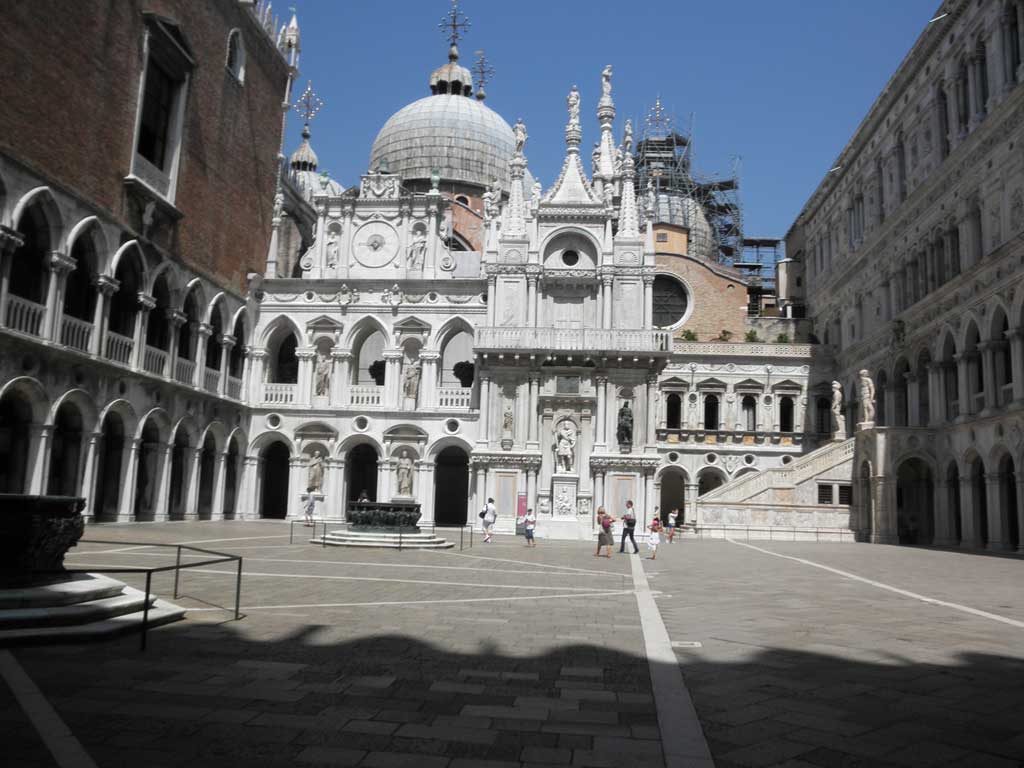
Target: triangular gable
{"type": "Point", "coordinates": [572, 186]}
{"type": "Point", "coordinates": [711, 384]}
{"type": "Point", "coordinates": [749, 384]}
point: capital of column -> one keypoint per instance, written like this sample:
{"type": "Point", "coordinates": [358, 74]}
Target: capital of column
{"type": "Point", "coordinates": [341, 354]}
{"type": "Point", "coordinates": [600, 380]}
{"type": "Point", "coordinates": [175, 318]}
{"type": "Point", "coordinates": [106, 285]}
{"type": "Point", "coordinates": [204, 329]}
{"type": "Point", "coordinates": [10, 240]}
{"type": "Point", "coordinates": [308, 353]}
{"type": "Point", "coordinates": [256, 353]}
{"type": "Point", "coordinates": [146, 302]}
{"type": "Point", "coordinates": [392, 354]}
{"type": "Point", "coordinates": [648, 279]}
{"type": "Point", "coordinates": [60, 262]}
{"type": "Point", "coordinates": [227, 341]}
{"type": "Point", "coordinates": [431, 356]}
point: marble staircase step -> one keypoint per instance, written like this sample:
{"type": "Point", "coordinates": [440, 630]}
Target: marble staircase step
{"type": "Point", "coordinates": [383, 540]}
{"type": "Point", "coordinates": [79, 588]}
{"type": "Point", "coordinates": [160, 613]}
{"type": "Point", "coordinates": [129, 601]}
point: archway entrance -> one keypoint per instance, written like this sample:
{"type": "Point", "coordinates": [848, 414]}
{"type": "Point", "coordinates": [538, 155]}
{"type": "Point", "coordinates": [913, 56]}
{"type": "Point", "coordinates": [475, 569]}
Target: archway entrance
{"type": "Point", "coordinates": [108, 475]}
{"type": "Point", "coordinates": [451, 487]}
{"type": "Point", "coordinates": [1008, 503]}
{"type": "Point", "coordinates": [708, 480]}
{"type": "Point", "coordinates": [673, 492]}
{"type": "Point", "coordinates": [147, 472]}
{"type": "Point", "coordinates": [953, 500]}
{"type": "Point", "coordinates": [274, 481]}
{"type": "Point", "coordinates": [15, 420]}
{"type": "Point", "coordinates": [207, 477]}
{"type": "Point", "coordinates": [915, 503]}
{"type": "Point", "coordinates": [361, 467]}
{"type": "Point", "coordinates": [180, 456]}
{"type": "Point", "coordinates": [66, 452]}
{"type": "Point", "coordinates": [979, 503]}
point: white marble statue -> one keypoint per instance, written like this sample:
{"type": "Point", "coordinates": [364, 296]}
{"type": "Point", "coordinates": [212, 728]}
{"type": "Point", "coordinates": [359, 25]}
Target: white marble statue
{"type": "Point", "coordinates": [506, 425]}
{"type": "Point", "coordinates": [323, 375]}
{"type": "Point", "coordinates": [867, 397]}
{"type": "Point", "coordinates": [627, 138]}
{"type": "Point", "coordinates": [411, 380]}
{"type": "Point", "coordinates": [606, 82]}
{"type": "Point", "coordinates": [332, 250]}
{"type": "Point", "coordinates": [573, 101]}
{"type": "Point", "coordinates": [404, 473]}
{"type": "Point", "coordinates": [315, 473]}
{"type": "Point", "coordinates": [519, 132]}
{"type": "Point", "coordinates": [565, 446]}
{"type": "Point", "coordinates": [417, 250]}
{"type": "Point", "coordinates": [838, 420]}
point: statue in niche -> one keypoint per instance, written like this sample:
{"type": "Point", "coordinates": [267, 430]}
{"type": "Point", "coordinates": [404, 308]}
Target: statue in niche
{"type": "Point", "coordinates": [411, 380]}
{"type": "Point", "coordinates": [315, 473]}
{"type": "Point", "coordinates": [867, 397]}
{"type": "Point", "coordinates": [573, 102]}
{"type": "Point", "coordinates": [417, 251]}
{"type": "Point", "coordinates": [404, 472]}
{"type": "Point", "coordinates": [565, 446]}
{"type": "Point", "coordinates": [506, 423]}
{"type": "Point", "coordinates": [323, 375]}
{"type": "Point", "coordinates": [332, 249]}
{"type": "Point", "coordinates": [838, 420]}
{"type": "Point", "coordinates": [519, 132]}
{"type": "Point", "coordinates": [606, 82]}
{"type": "Point", "coordinates": [624, 432]}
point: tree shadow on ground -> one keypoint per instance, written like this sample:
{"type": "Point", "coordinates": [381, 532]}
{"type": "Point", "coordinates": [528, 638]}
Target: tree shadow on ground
{"type": "Point", "coordinates": [209, 694]}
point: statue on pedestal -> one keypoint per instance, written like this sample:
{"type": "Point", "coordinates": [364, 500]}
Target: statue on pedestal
{"type": "Point", "coordinates": [315, 473]}
{"type": "Point", "coordinates": [838, 420]}
{"type": "Point", "coordinates": [867, 398]}
{"type": "Point", "coordinates": [565, 446]}
{"type": "Point", "coordinates": [404, 472]}
{"type": "Point", "coordinates": [506, 422]}
{"type": "Point", "coordinates": [323, 375]}
{"type": "Point", "coordinates": [624, 433]}
{"type": "Point", "coordinates": [411, 380]}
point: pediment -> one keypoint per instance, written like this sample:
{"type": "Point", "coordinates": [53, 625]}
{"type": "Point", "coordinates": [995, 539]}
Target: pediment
{"type": "Point", "coordinates": [711, 384]}
{"type": "Point", "coordinates": [324, 323]}
{"type": "Point", "coordinates": [749, 384]}
{"type": "Point", "coordinates": [787, 384]}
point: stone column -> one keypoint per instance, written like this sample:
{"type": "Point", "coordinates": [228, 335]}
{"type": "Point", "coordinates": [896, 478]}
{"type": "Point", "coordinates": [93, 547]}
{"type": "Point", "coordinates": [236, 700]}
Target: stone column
{"type": "Point", "coordinates": [996, 504]}
{"type": "Point", "coordinates": [483, 437]}
{"type": "Point", "coordinates": [648, 498]}
{"type": "Point", "coordinates": [248, 505]}
{"type": "Point", "coordinates": [606, 303]}
{"type": "Point", "coordinates": [176, 320]}
{"type": "Point", "coordinates": [602, 412]}
{"type": "Point", "coordinates": [480, 490]}
{"type": "Point", "coordinates": [690, 502]}
{"type": "Point", "coordinates": [296, 486]}
{"type": "Point", "coordinates": [428, 380]}
{"type": "Point", "coordinates": [59, 266]}
{"type": "Point", "coordinates": [88, 487]}
{"type": "Point", "coordinates": [146, 305]}
{"type": "Point", "coordinates": [304, 387]}
{"type": "Point", "coordinates": [339, 376]}
{"type": "Point", "coordinates": [203, 333]}
{"type": "Point", "coordinates": [533, 441]}
{"type": "Point", "coordinates": [599, 491]}
{"type": "Point", "coordinates": [988, 362]}
{"type": "Point", "coordinates": [38, 450]}
{"type": "Point", "coordinates": [393, 379]}
{"type": "Point", "coordinates": [650, 439]}
{"type": "Point", "coordinates": [423, 490]}
{"type": "Point", "coordinates": [10, 241]}
{"type": "Point", "coordinates": [105, 288]}
{"type": "Point", "coordinates": [1016, 339]}
{"type": "Point", "coordinates": [936, 394]}
{"type": "Point", "coordinates": [257, 373]}
{"type": "Point", "coordinates": [129, 468]}
{"type": "Point", "coordinates": [531, 301]}
{"type": "Point", "coordinates": [492, 298]}
{"type": "Point", "coordinates": [945, 528]}
{"type": "Point", "coordinates": [963, 384]}
{"type": "Point", "coordinates": [648, 313]}
{"type": "Point", "coordinates": [219, 480]}
{"type": "Point", "coordinates": [165, 459]}
{"type": "Point", "coordinates": [884, 529]}
{"type": "Point", "coordinates": [227, 343]}
{"type": "Point", "coordinates": [192, 458]}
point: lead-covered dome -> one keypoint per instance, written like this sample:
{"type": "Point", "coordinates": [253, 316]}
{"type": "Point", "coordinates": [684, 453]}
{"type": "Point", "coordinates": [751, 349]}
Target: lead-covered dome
{"type": "Point", "coordinates": [459, 136]}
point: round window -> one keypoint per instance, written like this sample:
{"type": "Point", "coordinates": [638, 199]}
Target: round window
{"type": "Point", "coordinates": [273, 420]}
{"type": "Point", "coordinates": [748, 459]}
{"type": "Point", "coordinates": [711, 458]}
{"type": "Point", "coordinates": [361, 423]}
{"type": "Point", "coordinates": [570, 258]}
{"type": "Point", "coordinates": [673, 457]}
{"type": "Point", "coordinates": [452, 425]}
{"type": "Point", "coordinates": [670, 301]}
{"type": "Point", "coordinates": [787, 459]}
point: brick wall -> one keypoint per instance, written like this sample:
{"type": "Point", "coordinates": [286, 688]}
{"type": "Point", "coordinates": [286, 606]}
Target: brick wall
{"type": "Point", "coordinates": [70, 94]}
{"type": "Point", "coordinates": [719, 303]}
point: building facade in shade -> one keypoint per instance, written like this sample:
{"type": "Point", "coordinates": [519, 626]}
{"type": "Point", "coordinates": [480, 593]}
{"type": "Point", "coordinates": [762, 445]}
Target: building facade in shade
{"type": "Point", "coordinates": [122, 313]}
{"type": "Point", "coordinates": [908, 259]}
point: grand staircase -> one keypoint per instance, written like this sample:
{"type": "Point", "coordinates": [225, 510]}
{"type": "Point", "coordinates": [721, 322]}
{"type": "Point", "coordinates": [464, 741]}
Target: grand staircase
{"type": "Point", "coordinates": [80, 608]}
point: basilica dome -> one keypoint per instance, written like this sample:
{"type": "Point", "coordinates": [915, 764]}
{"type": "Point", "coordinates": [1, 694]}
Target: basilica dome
{"type": "Point", "coordinates": [457, 135]}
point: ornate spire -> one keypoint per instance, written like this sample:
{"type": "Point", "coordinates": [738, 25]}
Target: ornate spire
{"type": "Point", "coordinates": [629, 228]}
{"type": "Point", "coordinates": [515, 222]}
{"type": "Point", "coordinates": [484, 72]}
{"type": "Point", "coordinates": [307, 106]}
{"type": "Point", "coordinates": [572, 186]}
{"type": "Point", "coordinates": [452, 78]}
{"type": "Point", "coordinates": [606, 114]}
{"type": "Point", "coordinates": [454, 24]}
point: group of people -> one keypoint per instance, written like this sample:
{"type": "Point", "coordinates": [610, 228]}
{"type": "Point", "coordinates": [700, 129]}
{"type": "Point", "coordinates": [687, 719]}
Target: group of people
{"type": "Point", "coordinates": [489, 516]}
{"type": "Point", "coordinates": [655, 530]}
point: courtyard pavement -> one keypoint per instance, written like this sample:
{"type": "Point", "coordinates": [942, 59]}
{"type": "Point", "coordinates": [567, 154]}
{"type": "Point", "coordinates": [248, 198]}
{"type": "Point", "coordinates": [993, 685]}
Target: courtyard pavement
{"type": "Point", "coordinates": [502, 655]}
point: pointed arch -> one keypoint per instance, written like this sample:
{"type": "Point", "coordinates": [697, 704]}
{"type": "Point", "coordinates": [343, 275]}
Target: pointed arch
{"type": "Point", "coordinates": [186, 426]}
{"type": "Point", "coordinates": [273, 329]}
{"type": "Point", "coordinates": [365, 326]}
{"type": "Point", "coordinates": [43, 197]}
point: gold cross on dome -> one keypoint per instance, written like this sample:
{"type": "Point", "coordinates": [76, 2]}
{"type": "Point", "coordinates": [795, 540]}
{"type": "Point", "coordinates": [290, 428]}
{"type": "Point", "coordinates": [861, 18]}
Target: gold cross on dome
{"type": "Point", "coordinates": [454, 23]}
{"type": "Point", "coordinates": [308, 104]}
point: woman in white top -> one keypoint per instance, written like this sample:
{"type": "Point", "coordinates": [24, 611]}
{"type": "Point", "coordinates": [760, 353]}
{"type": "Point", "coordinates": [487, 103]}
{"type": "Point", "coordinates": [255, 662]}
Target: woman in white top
{"type": "Point", "coordinates": [490, 516]}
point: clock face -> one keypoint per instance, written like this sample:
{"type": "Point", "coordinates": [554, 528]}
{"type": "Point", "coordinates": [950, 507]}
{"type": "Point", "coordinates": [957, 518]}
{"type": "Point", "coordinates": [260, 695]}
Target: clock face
{"type": "Point", "coordinates": [376, 244]}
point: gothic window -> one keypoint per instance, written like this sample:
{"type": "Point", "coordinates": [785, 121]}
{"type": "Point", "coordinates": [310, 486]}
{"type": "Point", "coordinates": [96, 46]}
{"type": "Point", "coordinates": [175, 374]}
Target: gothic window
{"type": "Point", "coordinates": [942, 108]}
{"type": "Point", "coordinates": [236, 56]}
{"type": "Point", "coordinates": [286, 364]}
{"type": "Point", "coordinates": [670, 301]}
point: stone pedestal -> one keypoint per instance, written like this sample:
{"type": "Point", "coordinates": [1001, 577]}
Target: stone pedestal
{"type": "Point", "coordinates": [563, 496]}
{"type": "Point", "coordinates": [506, 442]}
{"type": "Point", "coordinates": [35, 534]}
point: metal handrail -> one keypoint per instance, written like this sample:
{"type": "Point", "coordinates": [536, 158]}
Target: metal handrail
{"type": "Point", "coordinates": [219, 557]}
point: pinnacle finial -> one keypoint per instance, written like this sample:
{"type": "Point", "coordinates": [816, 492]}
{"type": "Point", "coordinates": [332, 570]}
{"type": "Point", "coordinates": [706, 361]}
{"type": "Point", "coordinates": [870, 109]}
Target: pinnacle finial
{"type": "Point", "coordinates": [454, 24]}
{"type": "Point", "coordinates": [308, 104]}
{"type": "Point", "coordinates": [484, 72]}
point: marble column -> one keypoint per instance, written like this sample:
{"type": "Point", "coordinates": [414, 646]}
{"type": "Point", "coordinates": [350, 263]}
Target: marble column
{"type": "Point", "coordinates": [483, 438]}
{"type": "Point", "coordinates": [393, 379]}
{"type": "Point", "coordinates": [995, 504]}
{"type": "Point", "coordinates": [257, 374]}
{"type": "Point", "coordinates": [340, 375]}
{"type": "Point", "coordinates": [38, 451]}
{"type": "Point", "coordinates": [648, 313]}
{"type": "Point", "coordinates": [534, 415]}
{"type": "Point", "coordinates": [531, 301]}
{"type": "Point", "coordinates": [650, 392]}
{"type": "Point", "coordinates": [988, 362]}
{"type": "Point", "coordinates": [606, 289]}
{"type": "Point", "coordinates": [219, 480]}
{"type": "Point", "coordinates": [203, 333]}
{"type": "Point", "coordinates": [248, 505]}
{"type": "Point", "coordinates": [193, 456]}
{"type": "Point", "coordinates": [162, 498]}
{"type": "Point", "coordinates": [304, 386]}
{"type": "Point", "coordinates": [105, 288]}
{"type": "Point", "coordinates": [601, 443]}
{"type": "Point", "coordinates": [428, 380]}
{"type": "Point", "coordinates": [129, 469]}
{"type": "Point", "coordinates": [227, 343]}
{"type": "Point", "coordinates": [88, 485]}
{"type": "Point", "coordinates": [59, 266]}
{"type": "Point", "coordinates": [963, 384]}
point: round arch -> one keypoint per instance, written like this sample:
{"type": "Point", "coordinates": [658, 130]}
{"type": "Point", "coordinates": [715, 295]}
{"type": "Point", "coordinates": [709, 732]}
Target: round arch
{"type": "Point", "coordinates": [709, 478]}
{"type": "Point", "coordinates": [569, 230]}
{"type": "Point", "coordinates": [448, 441]}
{"type": "Point", "coordinates": [915, 500]}
{"type": "Point", "coordinates": [34, 392]}
{"type": "Point", "coordinates": [83, 401]}
{"type": "Point", "coordinates": [123, 409]}
{"type": "Point", "coordinates": [263, 439]}
{"type": "Point", "coordinates": [186, 426]}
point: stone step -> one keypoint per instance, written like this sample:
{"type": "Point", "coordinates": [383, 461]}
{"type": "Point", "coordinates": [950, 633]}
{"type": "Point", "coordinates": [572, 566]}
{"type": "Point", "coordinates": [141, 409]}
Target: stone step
{"type": "Point", "coordinates": [367, 540]}
{"type": "Point", "coordinates": [130, 601]}
{"type": "Point", "coordinates": [160, 613]}
{"type": "Point", "coordinates": [77, 588]}
{"type": "Point", "coordinates": [421, 536]}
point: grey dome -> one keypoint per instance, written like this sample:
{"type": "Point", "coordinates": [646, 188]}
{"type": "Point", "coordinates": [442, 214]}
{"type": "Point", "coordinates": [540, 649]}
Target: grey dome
{"type": "Point", "coordinates": [683, 211]}
{"type": "Point", "coordinates": [459, 136]}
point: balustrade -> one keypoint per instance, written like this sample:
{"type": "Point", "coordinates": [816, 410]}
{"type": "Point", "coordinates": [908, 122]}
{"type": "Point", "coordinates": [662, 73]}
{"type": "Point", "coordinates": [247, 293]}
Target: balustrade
{"type": "Point", "coordinates": [154, 361]}
{"type": "Point", "coordinates": [211, 380]}
{"type": "Point", "coordinates": [184, 371]}
{"type": "Point", "coordinates": [457, 398]}
{"type": "Point", "coordinates": [75, 333]}
{"type": "Point", "coordinates": [279, 394]}
{"type": "Point", "coordinates": [24, 315]}
{"type": "Point", "coordinates": [119, 348]}
{"type": "Point", "coordinates": [575, 339]}
{"type": "Point", "coordinates": [234, 388]}
{"type": "Point", "coordinates": [366, 395]}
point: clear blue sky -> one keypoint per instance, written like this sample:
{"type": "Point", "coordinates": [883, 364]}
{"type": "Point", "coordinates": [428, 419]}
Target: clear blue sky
{"type": "Point", "coordinates": [780, 84]}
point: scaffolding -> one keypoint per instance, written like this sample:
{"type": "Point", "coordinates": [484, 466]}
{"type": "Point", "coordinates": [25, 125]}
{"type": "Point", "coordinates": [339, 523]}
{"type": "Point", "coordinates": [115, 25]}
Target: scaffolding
{"type": "Point", "coordinates": [707, 206]}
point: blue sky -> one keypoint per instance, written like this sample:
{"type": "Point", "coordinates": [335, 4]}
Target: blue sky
{"type": "Point", "coordinates": [781, 85]}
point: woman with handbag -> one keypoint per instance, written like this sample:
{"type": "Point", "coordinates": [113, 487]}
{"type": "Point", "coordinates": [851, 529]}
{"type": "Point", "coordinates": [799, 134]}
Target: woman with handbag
{"type": "Point", "coordinates": [604, 536]}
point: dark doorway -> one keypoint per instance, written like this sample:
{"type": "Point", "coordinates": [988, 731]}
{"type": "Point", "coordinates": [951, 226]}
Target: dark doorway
{"type": "Point", "coordinates": [179, 476]}
{"type": "Point", "coordinates": [953, 500]}
{"type": "Point", "coordinates": [673, 411]}
{"type": "Point", "coordinates": [108, 475]}
{"type": "Point", "coordinates": [915, 503]}
{"type": "Point", "coordinates": [65, 454]}
{"type": "Point", "coordinates": [979, 498]}
{"type": "Point", "coordinates": [231, 480]}
{"type": "Point", "coordinates": [361, 467]}
{"type": "Point", "coordinates": [147, 472]}
{"type": "Point", "coordinates": [207, 477]}
{"type": "Point", "coordinates": [274, 481]}
{"type": "Point", "coordinates": [451, 487]}
{"type": "Point", "coordinates": [673, 492]}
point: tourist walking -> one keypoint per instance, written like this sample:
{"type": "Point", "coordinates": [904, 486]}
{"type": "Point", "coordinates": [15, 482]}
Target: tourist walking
{"type": "Point", "coordinates": [604, 536]}
{"type": "Point", "coordinates": [654, 538]}
{"type": "Point", "coordinates": [628, 528]}
{"type": "Point", "coordinates": [489, 515]}
{"type": "Point", "coordinates": [530, 525]}
{"type": "Point", "coordinates": [680, 521]}
{"type": "Point", "coordinates": [670, 524]}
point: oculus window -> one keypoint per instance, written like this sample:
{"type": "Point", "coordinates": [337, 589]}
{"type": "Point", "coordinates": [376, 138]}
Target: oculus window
{"type": "Point", "coordinates": [670, 301]}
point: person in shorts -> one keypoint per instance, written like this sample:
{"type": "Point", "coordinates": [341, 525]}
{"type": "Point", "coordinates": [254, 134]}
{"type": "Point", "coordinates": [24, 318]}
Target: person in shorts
{"type": "Point", "coordinates": [529, 526]}
{"type": "Point", "coordinates": [654, 538]}
{"type": "Point", "coordinates": [670, 524]}
{"type": "Point", "coordinates": [489, 516]}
